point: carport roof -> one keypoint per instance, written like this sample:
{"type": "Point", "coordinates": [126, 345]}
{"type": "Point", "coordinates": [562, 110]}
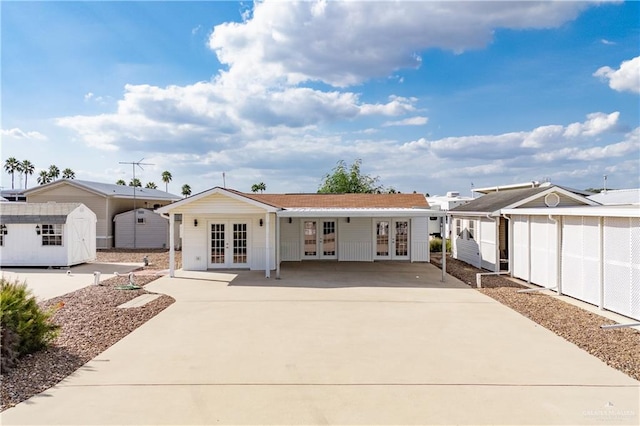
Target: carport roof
{"type": "Point", "coordinates": [364, 212]}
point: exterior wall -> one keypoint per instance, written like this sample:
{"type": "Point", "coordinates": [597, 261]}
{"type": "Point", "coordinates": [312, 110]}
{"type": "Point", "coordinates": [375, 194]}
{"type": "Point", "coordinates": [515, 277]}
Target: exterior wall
{"type": "Point", "coordinates": [520, 247]}
{"type": "Point", "coordinates": [466, 248]}
{"type": "Point", "coordinates": [581, 258]}
{"type": "Point", "coordinates": [621, 270]}
{"type": "Point", "coordinates": [419, 239]}
{"type": "Point", "coordinates": [565, 201]}
{"type": "Point", "coordinates": [290, 239]}
{"type": "Point", "coordinates": [153, 233]}
{"type": "Point", "coordinates": [486, 235]}
{"type": "Point", "coordinates": [544, 251]}
{"type": "Point", "coordinates": [258, 239]}
{"type": "Point", "coordinates": [355, 240]}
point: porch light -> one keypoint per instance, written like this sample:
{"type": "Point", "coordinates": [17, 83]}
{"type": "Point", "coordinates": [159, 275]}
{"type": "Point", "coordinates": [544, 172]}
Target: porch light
{"type": "Point", "coordinates": [3, 229]}
{"type": "Point", "coordinates": [290, 220]}
{"type": "Point", "coordinates": [195, 222]}
{"type": "Point", "coordinates": [38, 229]}
{"type": "Point", "coordinates": [348, 220]}
{"type": "Point", "coordinates": [261, 222]}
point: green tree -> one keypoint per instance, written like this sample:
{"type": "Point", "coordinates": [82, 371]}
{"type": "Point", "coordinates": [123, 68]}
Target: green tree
{"type": "Point", "coordinates": [151, 185]}
{"type": "Point", "coordinates": [166, 178]}
{"type": "Point", "coordinates": [121, 182]}
{"type": "Point", "coordinates": [27, 168]}
{"type": "Point", "coordinates": [68, 174]}
{"type": "Point", "coordinates": [135, 182]}
{"type": "Point", "coordinates": [11, 166]}
{"type": "Point", "coordinates": [258, 187]}
{"type": "Point", "coordinates": [44, 177]}
{"type": "Point", "coordinates": [349, 179]}
{"type": "Point", "coordinates": [54, 172]}
{"type": "Point", "coordinates": [186, 190]}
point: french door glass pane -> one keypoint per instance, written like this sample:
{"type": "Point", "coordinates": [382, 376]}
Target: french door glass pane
{"type": "Point", "coordinates": [402, 238]}
{"type": "Point", "coordinates": [239, 243]}
{"type": "Point", "coordinates": [217, 243]}
{"type": "Point", "coordinates": [382, 238]}
{"type": "Point", "coordinates": [310, 238]}
{"type": "Point", "coordinates": [329, 238]}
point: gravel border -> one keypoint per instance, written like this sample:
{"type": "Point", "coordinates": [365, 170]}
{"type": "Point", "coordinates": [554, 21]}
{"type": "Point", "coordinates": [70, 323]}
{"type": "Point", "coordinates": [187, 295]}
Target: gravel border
{"type": "Point", "coordinates": [619, 348]}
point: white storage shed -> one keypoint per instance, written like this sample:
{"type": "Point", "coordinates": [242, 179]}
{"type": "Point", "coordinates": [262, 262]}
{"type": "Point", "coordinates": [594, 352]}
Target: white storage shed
{"type": "Point", "coordinates": [46, 234]}
{"type": "Point", "coordinates": [142, 228]}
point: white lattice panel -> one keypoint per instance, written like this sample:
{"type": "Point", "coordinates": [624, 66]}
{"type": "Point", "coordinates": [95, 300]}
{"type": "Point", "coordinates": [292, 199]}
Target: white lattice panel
{"type": "Point", "coordinates": [543, 251]}
{"type": "Point", "coordinates": [622, 266]}
{"type": "Point", "coordinates": [581, 258]}
{"type": "Point", "coordinates": [520, 247]}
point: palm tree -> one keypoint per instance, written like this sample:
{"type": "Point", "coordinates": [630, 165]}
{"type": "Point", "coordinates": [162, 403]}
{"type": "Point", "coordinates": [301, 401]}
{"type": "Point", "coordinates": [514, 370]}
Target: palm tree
{"type": "Point", "coordinates": [27, 168]}
{"type": "Point", "coordinates": [12, 166]}
{"type": "Point", "coordinates": [166, 178]}
{"type": "Point", "coordinates": [54, 172]}
{"type": "Point", "coordinates": [68, 174]}
{"type": "Point", "coordinates": [186, 190]}
{"type": "Point", "coordinates": [44, 177]}
{"type": "Point", "coordinates": [121, 182]}
{"type": "Point", "coordinates": [151, 185]}
{"type": "Point", "coordinates": [135, 182]}
{"type": "Point", "coordinates": [258, 187]}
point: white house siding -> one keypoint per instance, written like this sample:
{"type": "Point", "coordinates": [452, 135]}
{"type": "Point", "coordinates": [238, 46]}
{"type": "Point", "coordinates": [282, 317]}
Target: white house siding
{"type": "Point", "coordinates": [290, 239]}
{"type": "Point", "coordinates": [564, 201]}
{"type": "Point", "coordinates": [257, 241]}
{"type": "Point", "coordinates": [622, 265]}
{"type": "Point", "coordinates": [544, 251]}
{"type": "Point", "coordinates": [420, 239]}
{"type": "Point", "coordinates": [466, 247]}
{"type": "Point", "coordinates": [520, 247]}
{"type": "Point", "coordinates": [486, 235]}
{"type": "Point", "coordinates": [581, 258]}
{"type": "Point", "coordinates": [153, 233]}
{"type": "Point", "coordinates": [355, 239]}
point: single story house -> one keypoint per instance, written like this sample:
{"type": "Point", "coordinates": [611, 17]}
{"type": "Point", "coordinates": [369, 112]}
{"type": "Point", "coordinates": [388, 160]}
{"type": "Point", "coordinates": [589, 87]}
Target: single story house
{"type": "Point", "coordinates": [445, 203]}
{"type": "Point", "coordinates": [483, 237]}
{"type": "Point", "coordinates": [104, 199]}
{"type": "Point", "coordinates": [591, 253]}
{"type": "Point", "coordinates": [224, 228]}
{"type": "Point", "coordinates": [144, 229]}
{"type": "Point", "coordinates": [46, 234]}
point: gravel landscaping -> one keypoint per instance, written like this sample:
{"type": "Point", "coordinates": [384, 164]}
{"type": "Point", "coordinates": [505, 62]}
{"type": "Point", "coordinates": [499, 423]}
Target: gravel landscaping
{"type": "Point", "coordinates": [90, 322]}
{"type": "Point", "coordinates": [619, 348]}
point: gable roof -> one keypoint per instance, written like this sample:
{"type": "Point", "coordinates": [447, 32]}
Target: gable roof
{"type": "Point", "coordinates": [495, 201]}
{"type": "Point", "coordinates": [108, 190]}
{"type": "Point", "coordinates": [53, 213]}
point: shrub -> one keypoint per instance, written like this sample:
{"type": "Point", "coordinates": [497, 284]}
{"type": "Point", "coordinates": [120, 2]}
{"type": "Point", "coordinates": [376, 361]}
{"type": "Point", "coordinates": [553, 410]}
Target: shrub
{"type": "Point", "coordinates": [435, 245]}
{"type": "Point", "coordinates": [25, 326]}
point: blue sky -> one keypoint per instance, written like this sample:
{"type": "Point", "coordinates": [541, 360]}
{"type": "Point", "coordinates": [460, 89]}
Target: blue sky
{"type": "Point", "coordinates": [431, 96]}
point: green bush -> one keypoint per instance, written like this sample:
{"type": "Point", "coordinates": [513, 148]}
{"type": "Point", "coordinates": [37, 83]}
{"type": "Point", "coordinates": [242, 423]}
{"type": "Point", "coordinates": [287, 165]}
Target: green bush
{"type": "Point", "coordinates": [435, 245]}
{"type": "Point", "coordinates": [25, 326]}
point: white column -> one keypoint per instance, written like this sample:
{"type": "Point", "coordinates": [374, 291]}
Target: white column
{"type": "Point", "coordinates": [267, 268]}
{"type": "Point", "coordinates": [277, 247]}
{"type": "Point", "coordinates": [172, 253]}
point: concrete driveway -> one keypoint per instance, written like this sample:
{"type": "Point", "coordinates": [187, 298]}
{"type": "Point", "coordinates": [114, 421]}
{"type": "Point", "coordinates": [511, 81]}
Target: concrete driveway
{"type": "Point", "coordinates": [336, 344]}
{"type": "Point", "coordinates": [48, 283]}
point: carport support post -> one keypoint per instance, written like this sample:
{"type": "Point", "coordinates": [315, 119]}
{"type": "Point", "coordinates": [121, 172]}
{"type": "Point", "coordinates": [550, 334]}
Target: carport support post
{"type": "Point", "coordinates": [444, 250]}
{"type": "Point", "coordinates": [277, 247]}
{"type": "Point", "coordinates": [172, 253]}
{"type": "Point", "coordinates": [267, 267]}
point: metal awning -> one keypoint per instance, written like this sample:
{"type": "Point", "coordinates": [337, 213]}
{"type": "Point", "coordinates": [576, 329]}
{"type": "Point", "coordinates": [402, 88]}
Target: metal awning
{"type": "Point", "coordinates": [356, 212]}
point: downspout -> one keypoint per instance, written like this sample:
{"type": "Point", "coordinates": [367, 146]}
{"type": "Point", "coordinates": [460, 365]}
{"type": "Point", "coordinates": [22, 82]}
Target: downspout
{"type": "Point", "coordinates": [601, 257]}
{"type": "Point", "coordinates": [558, 254]}
{"type": "Point", "coordinates": [172, 252]}
{"type": "Point", "coordinates": [267, 268]}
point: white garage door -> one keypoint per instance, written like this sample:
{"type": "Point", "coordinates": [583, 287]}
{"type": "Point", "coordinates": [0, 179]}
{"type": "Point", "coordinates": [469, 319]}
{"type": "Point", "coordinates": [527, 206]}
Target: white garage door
{"type": "Point", "coordinates": [581, 258]}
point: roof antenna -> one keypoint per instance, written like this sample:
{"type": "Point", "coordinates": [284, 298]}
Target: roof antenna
{"type": "Point", "coordinates": [604, 188]}
{"type": "Point", "coordinates": [224, 181]}
{"type": "Point", "coordinates": [138, 163]}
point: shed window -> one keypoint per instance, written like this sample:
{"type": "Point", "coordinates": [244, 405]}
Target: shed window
{"type": "Point", "coordinates": [472, 229]}
{"type": "Point", "coordinates": [458, 227]}
{"type": "Point", "coordinates": [52, 235]}
{"type": "Point", "coordinates": [3, 232]}
{"type": "Point", "coordinates": [141, 221]}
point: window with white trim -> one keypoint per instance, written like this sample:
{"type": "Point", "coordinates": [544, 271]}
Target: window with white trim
{"type": "Point", "coordinates": [471, 230]}
{"type": "Point", "coordinates": [51, 234]}
{"type": "Point", "coordinates": [458, 227]}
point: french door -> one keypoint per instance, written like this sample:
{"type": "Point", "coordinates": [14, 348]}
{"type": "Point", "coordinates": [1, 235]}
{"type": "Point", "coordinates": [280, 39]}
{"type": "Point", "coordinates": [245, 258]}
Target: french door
{"type": "Point", "coordinates": [320, 239]}
{"type": "Point", "coordinates": [391, 239]}
{"type": "Point", "coordinates": [228, 244]}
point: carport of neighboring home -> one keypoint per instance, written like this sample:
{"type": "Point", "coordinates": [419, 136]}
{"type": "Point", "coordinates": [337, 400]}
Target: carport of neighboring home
{"type": "Point", "coordinates": [227, 229]}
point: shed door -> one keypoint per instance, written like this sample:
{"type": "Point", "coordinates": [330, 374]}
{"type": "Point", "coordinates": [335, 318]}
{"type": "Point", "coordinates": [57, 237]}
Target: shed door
{"type": "Point", "coordinates": [80, 230]}
{"type": "Point", "coordinates": [228, 244]}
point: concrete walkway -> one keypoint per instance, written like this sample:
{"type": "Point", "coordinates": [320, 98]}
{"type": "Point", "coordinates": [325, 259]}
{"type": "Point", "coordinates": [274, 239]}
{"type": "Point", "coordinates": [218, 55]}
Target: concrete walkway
{"type": "Point", "coordinates": [336, 344]}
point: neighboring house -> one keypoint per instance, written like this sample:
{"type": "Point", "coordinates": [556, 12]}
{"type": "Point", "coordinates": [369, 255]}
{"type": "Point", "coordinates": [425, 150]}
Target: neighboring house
{"type": "Point", "coordinates": [524, 185]}
{"type": "Point", "coordinates": [46, 234]}
{"type": "Point", "coordinates": [223, 228]}
{"type": "Point", "coordinates": [482, 235]}
{"type": "Point", "coordinates": [13, 195]}
{"type": "Point", "coordinates": [104, 199]}
{"type": "Point", "coordinates": [591, 253]}
{"type": "Point", "coordinates": [617, 197]}
{"type": "Point", "coordinates": [144, 229]}
{"type": "Point", "coordinates": [444, 203]}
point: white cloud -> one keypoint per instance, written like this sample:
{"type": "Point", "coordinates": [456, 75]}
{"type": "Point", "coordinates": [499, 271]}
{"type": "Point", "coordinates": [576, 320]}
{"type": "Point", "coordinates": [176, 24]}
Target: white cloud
{"type": "Point", "coordinates": [624, 79]}
{"type": "Point", "coordinates": [17, 133]}
{"type": "Point", "coordinates": [607, 42]}
{"type": "Point", "coordinates": [596, 123]}
{"type": "Point", "coordinates": [347, 43]}
{"type": "Point", "coordinates": [411, 121]}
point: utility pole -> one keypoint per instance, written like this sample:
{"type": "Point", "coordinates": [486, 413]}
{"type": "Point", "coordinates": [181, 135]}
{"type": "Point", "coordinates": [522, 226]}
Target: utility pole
{"type": "Point", "coordinates": [138, 163]}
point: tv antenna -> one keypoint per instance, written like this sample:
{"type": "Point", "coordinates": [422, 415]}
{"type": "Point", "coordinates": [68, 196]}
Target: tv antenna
{"type": "Point", "coordinates": [138, 163]}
